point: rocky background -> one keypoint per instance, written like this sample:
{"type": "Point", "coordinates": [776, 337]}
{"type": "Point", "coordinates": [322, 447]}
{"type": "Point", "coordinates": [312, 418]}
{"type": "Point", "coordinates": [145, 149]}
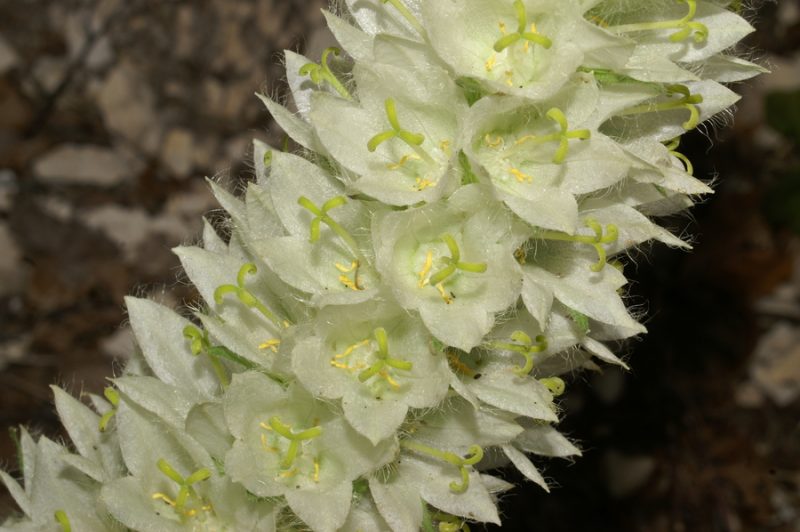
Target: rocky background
{"type": "Point", "coordinates": [113, 111]}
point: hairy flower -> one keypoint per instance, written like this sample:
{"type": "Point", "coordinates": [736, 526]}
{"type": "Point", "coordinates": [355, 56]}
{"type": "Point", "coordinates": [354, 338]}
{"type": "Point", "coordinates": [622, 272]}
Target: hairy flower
{"type": "Point", "coordinates": [400, 300]}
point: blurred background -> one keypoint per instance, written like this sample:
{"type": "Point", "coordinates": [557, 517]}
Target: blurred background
{"type": "Point", "coordinates": [113, 111]}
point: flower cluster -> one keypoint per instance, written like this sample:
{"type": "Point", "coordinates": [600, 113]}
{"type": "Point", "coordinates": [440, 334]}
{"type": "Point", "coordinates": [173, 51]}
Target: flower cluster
{"type": "Point", "coordinates": [389, 317]}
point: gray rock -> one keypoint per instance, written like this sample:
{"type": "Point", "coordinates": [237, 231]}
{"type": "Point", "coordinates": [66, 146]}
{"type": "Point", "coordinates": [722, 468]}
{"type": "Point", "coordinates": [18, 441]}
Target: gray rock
{"type": "Point", "coordinates": [75, 164]}
{"type": "Point", "coordinates": [178, 152]}
{"type": "Point", "coordinates": [128, 107]}
{"type": "Point", "coordinates": [8, 56]}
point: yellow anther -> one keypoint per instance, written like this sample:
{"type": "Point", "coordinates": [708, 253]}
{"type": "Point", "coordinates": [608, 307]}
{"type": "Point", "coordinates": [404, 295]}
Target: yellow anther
{"type": "Point", "coordinates": [353, 283]}
{"type": "Point", "coordinates": [286, 324]}
{"type": "Point", "coordinates": [289, 474]}
{"type": "Point", "coordinates": [265, 444]}
{"type": "Point", "coordinates": [599, 21]}
{"type": "Point", "coordinates": [388, 378]}
{"type": "Point", "coordinates": [491, 62]}
{"type": "Point", "coordinates": [422, 184]}
{"type": "Point", "coordinates": [525, 139]}
{"type": "Point", "coordinates": [315, 478]}
{"type": "Point", "coordinates": [445, 147]}
{"type": "Point", "coordinates": [348, 283]}
{"type": "Point", "coordinates": [521, 176]}
{"type": "Point", "coordinates": [426, 270]}
{"type": "Point", "coordinates": [502, 27]}
{"type": "Point", "coordinates": [509, 78]}
{"type": "Point", "coordinates": [521, 255]}
{"type": "Point", "coordinates": [271, 344]}
{"type": "Point", "coordinates": [527, 45]}
{"type": "Point", "coordinates": [403, 160]}
{"type": "Point", "coordinates": [448, 298]}
{"type": "Point", "coordinates": [349, 351]}
{"type": "Point", "coordinates": [347, 269]}
{"type": "Point", "coordinates": [341, 365]}
{"type": "Point", "coordinates": [459, 366]}
{"type": "Point", "coordinates": [495, 142]}
{"type": "Point", "coordinates": [161, 497]}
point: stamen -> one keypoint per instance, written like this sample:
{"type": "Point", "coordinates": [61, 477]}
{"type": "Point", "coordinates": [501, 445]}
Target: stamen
{"type": "Point", "coordinates": [402, 162]}
{"type": "Point", "coordinates": [347, 352]}
{"type": "Point", "coordinates": [475, 455]}
{"type": "Point", "coordinates": [422, 184]}
{"type": "Point", "coordinates": [687, 101]}
{"type": "Point", "coordinates": [289, 474]}
{"type": "Point", "coordinates": [522, 34]}
{"type": "Point", "coordinates": [686, 26]}
{"type": "Point", "coordinates": [322, 72]}
{"type": "Point", "coordinates": [490, 63]}
{"type": "Point", "coordinates": [244, 295]}
{"type": "Point", "coordinates": [112, 396]}
{"type": "Point", "coordinates": [264, 443]}
{"type": "Point", "coordinates": [521, 255]}
{"type": "Point", "coordinates": [493, 142]}
{"type": "Point", "coordinates": [448, 298]}
{"type": "Point", "coordinates": [413, 140]}
{"type": "Point", "coordinates": [315, 477]}
{"type": "Point", "coordinates": [456, 363]}
{"type": "Point", "coordinates": [161, 497]}
{"type": "Point", "coordinates": [597, 240]}
{"type": "Point", "coordinates": [426, 269]}
{"type": "Point", "coordinates": [323, 217]}
{"type": "Point", "coordinates": [271, 344]}
{"type": "Point", "coordinates": [62, 519]}
{"type": "Point", "coordinates": [351, 284]}
{"type": "Point", "coordinates": [521, 176]}
{"type": "Point", "coordinates": [524, 345]}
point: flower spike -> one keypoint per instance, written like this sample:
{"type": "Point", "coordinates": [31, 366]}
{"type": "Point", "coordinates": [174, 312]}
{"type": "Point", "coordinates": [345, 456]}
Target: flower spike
{"type": "Point", "coordinates": [522, 33]}
{"type": "Point", "coordinates": [322, 72]}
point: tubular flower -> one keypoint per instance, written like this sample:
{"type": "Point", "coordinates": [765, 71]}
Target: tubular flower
{"type": "Point", "coordinates": [399, 304]}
